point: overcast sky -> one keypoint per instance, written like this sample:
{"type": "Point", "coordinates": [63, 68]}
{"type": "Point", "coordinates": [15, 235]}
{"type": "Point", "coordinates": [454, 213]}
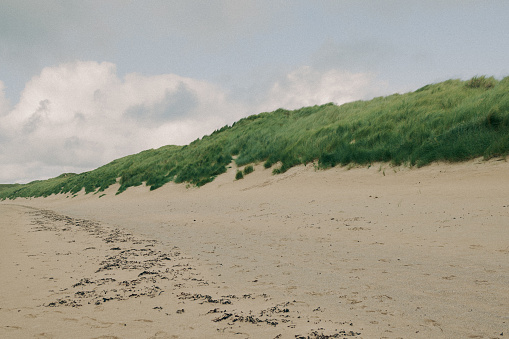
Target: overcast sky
{"type": "Point", "coordinates": [85, 82]}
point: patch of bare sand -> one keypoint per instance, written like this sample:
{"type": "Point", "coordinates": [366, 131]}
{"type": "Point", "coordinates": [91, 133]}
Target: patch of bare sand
{"type": "Point", "coordinates": [381, 251]}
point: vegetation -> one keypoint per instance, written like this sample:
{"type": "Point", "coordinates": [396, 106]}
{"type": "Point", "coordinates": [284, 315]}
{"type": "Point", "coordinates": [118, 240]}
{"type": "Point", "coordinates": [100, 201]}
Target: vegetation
{"type": "Point", "coordinates": [248, 169]}
{"type": "Point", "coordinates": [449, 121]}
{"type": "Point", "coordinates": [7, 186]}
{"type": "Point", "coordinates": [239, 175]}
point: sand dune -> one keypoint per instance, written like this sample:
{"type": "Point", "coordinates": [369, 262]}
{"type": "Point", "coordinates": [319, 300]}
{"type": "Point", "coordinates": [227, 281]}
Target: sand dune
{"type": "Point", "coordinates": [377, 252]}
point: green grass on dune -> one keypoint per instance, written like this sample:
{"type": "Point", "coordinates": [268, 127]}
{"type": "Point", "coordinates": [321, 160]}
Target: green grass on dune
{"type": "Point", "coordinates": [7, 186]}
{"type": "Point", "coordinates": [450, 121]}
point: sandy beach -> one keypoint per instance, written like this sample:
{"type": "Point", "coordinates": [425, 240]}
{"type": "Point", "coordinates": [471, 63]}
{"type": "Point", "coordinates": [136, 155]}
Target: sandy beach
{"type": "Point", "coordinates": [378, 252]}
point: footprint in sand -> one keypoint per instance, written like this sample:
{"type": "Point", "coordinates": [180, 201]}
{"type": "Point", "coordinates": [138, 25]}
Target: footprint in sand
{"type": "Point", "coordinates": [7, 327]}
{"type": "Point", "coordinates": [433, 323]}
{"type": "Point", "coordinates": [165, 335]}
{"type": "Point", "coordinates": [145, 320]}
{"type": "Point", "coordinates": [450, 277]}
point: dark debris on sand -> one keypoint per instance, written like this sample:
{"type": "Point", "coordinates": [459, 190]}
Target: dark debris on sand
{"type": "Point", "coordinates": [150, 271]}
{"type": "Point", "coordinates": [146, 266]}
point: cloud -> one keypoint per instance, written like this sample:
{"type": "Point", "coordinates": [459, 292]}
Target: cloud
{"type": "Point", "coordinates": [205, 24]}
{"type": "Point", "coordinates": [56, 30]}
{"type": "Point", "coordinates": [307, 86]}
{"type": "Point", "coordinates": [176, 104]}
{"type": "Point", "coordinates": [365, 55]}
{"type": "Point", "coordinates": [4, 103]}
{"type": "Point", "coordinates": [81, 115]}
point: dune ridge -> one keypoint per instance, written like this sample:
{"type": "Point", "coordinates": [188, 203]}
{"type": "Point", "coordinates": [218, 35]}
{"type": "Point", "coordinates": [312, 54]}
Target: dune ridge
{"type": "Point", "coordinates": [449, 121]}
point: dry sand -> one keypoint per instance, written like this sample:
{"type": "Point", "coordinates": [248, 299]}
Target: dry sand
{"type": "Point", "coordinates": [375, 252]}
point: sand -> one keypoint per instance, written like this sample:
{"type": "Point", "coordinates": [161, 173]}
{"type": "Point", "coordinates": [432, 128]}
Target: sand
{"type": "Point", "coordinates": [378, 252]}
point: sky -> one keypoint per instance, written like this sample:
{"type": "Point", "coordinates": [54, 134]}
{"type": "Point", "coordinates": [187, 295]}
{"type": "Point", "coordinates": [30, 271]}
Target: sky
{"type": "Point", "coordinates": [85, 82]}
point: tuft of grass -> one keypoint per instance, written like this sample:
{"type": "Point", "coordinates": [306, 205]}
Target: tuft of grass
{"type": "Point", "coordinates": [481, 82]}
{"type": "Point", "coordinates": [239, 175]}
{"type": "Point", "coordinates": [449, 121]}
{"type": "Point", "coordinates": [248, 169]}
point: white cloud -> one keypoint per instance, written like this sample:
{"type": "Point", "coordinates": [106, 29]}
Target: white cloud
{"type": "Point", "coordinates": [80, 115]}
{"type": "Point", "coordinates": [306, 86]}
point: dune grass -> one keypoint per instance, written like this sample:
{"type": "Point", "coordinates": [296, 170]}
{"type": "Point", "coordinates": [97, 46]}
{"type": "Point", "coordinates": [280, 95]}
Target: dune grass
{"type": "Point", "coordinates": [449, 121]}
{"type": "Point", "coordinates": [7, 186]}
{"type": "Point", "coordinates": [248, 169]}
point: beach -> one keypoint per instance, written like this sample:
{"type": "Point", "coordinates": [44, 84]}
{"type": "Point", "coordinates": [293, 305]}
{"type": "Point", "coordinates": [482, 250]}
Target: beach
{"type": "Point", "coordinates": [348, 252]}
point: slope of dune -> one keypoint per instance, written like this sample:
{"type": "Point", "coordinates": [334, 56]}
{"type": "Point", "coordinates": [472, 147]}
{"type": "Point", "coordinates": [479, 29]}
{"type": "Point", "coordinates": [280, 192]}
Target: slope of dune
{"type": "Point", "coordinates": [450, 121]}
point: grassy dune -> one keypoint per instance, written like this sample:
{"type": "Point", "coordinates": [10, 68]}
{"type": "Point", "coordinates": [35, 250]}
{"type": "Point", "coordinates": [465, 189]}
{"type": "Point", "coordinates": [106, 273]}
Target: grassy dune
{"type": "Point", "coordinates": [450, 121]}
